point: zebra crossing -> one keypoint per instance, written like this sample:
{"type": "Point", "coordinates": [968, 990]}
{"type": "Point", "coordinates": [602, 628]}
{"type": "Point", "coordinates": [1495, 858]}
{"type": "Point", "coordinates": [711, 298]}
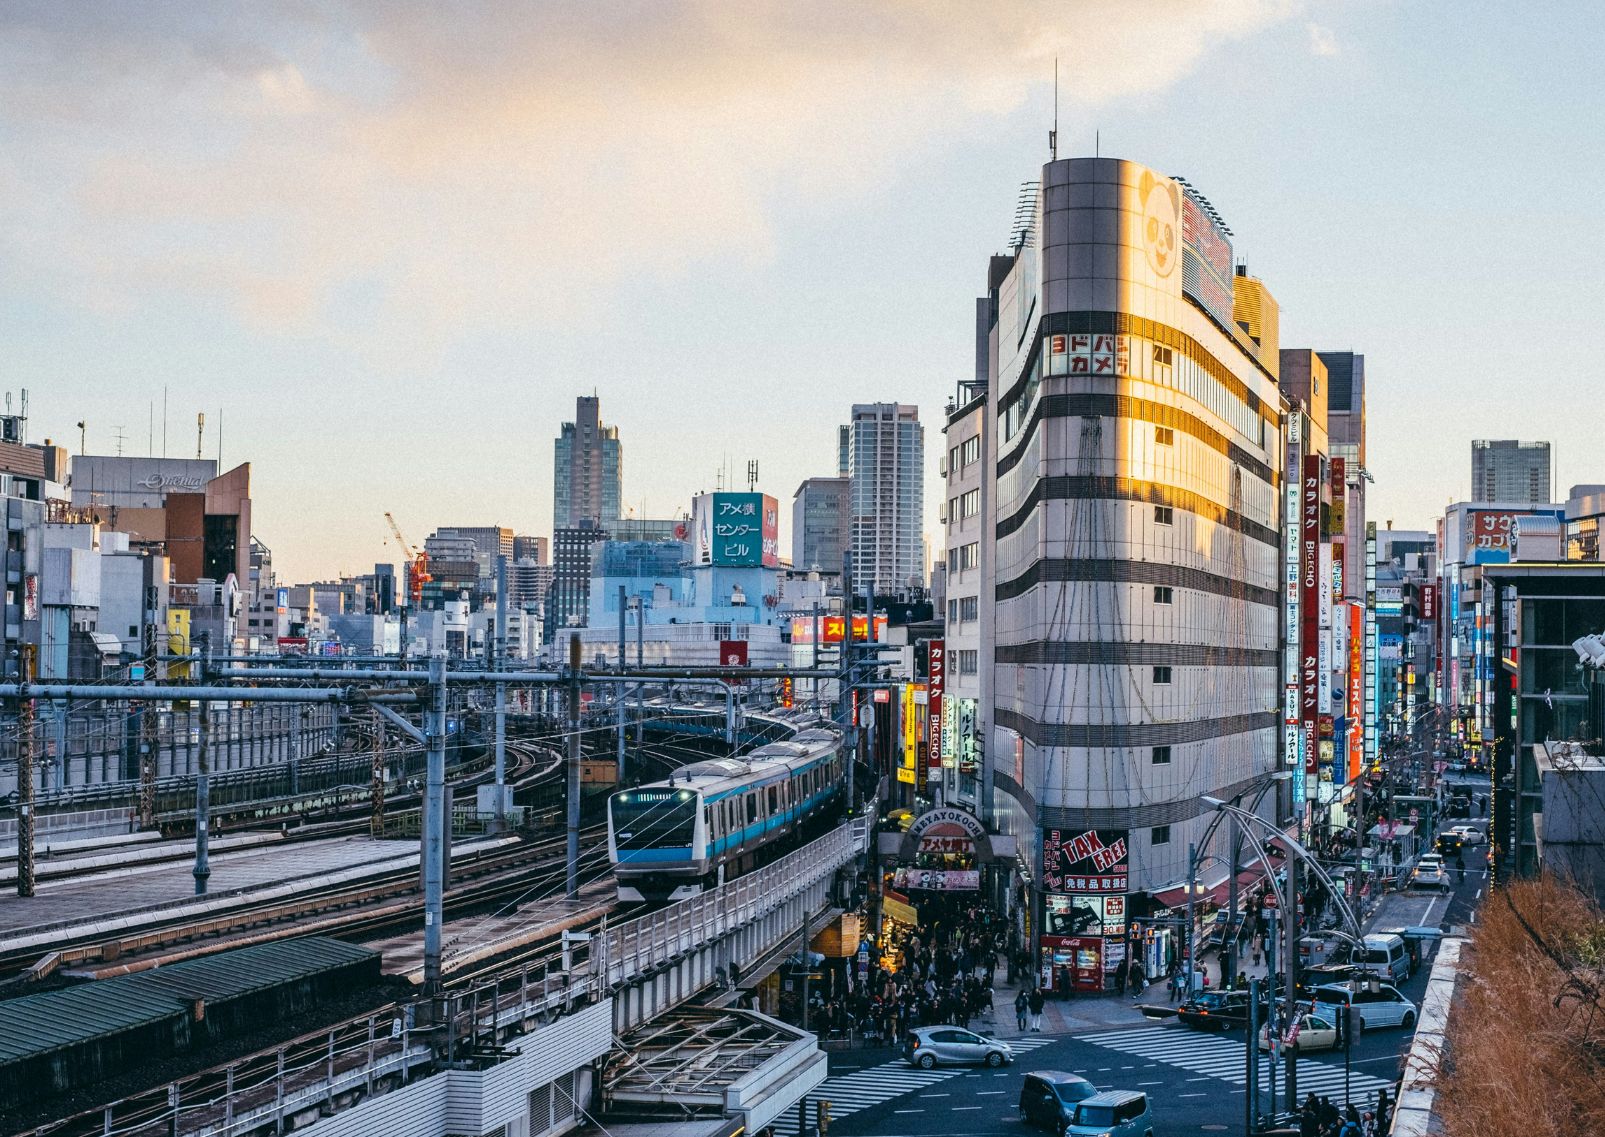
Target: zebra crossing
{"type": "Point", "coordinates": [1222, 1057]}
{"type": "Point", "coordinates": [861, 1089]}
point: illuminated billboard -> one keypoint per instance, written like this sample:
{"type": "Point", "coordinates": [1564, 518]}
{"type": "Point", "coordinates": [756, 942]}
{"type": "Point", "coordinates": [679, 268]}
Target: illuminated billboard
{"type": "Point", "coordinates": [1206, 260]}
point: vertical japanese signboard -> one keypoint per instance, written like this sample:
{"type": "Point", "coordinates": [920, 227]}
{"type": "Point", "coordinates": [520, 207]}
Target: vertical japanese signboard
{"type": "Point", "coordinates": [1310, 608]}
{"type": "Point", "coordinates": [936, 658]}
{"type": "Point", "coordinates": [1355, 690]}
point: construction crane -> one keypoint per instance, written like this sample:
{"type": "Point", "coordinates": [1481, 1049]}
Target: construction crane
{"type": "Point", "coordinates": [417, 577]}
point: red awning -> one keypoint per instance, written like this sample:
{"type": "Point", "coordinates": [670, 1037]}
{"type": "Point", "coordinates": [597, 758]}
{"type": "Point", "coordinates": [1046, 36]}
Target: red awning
{"type": "Point", "coordinates": [1176, 895]}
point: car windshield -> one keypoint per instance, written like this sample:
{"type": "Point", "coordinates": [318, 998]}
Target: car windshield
{"type": "Point", "coordinates": [1331, 995]}
{"type": "Point", "coordinates": [1074, 1091]}
{"type": "Point", "coordinates": [1095, 1115]}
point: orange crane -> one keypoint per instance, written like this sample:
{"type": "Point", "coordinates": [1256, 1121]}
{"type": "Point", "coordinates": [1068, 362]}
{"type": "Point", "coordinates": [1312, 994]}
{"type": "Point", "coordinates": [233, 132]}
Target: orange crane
{"type": "Point", "coordinates": [419, 574]}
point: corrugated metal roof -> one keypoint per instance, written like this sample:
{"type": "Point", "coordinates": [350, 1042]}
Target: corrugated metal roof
{"type": "Point", "coordinates": [51, 1020]}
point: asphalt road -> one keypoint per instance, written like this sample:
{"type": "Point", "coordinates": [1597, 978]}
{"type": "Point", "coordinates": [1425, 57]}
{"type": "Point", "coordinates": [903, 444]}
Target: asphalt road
{"type": "Point", "coordinates": [1195, 1080]}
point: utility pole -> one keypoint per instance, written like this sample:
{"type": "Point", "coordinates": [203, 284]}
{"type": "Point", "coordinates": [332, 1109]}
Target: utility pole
{"type": "Point", "coordinates": [1192, 887]}
{"type": "Point", "coordinates": [1290, 972]}
{"type": "Point", "coordinates": [572, 877]}
{"type": "Point", "coordinates": [376, 783]}
{"type": "Point", "coordinates": [148, 739]}
{"type": "Point", "coordinates": [846, 715]}
{"type": "Point", "coordinates": [1232, 926]}
{"type": "Point", "coordinates": [434, 837]}
{"type": "Point", "coordinates": [203, 777]}
{"type": "Point", "coordinates": [618, 691]}
{"type": "Point", "coordinates": [500, 664]}
{"type": "Point", "coordinates": [25, 744]}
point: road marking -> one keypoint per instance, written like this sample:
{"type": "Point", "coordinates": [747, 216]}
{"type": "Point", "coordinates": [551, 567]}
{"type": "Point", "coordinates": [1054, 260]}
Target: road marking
{"type": "Point", "coordinates": [908, 1111]}
{"type": "Point", "coordinates": [961, 1108]}
{"type": "Point", "coordinates": [988, 1093]}
{"type": "Point", "coordinates": [936, 1095]}
{"type": "Point", "coordinates": [1150, 1083]}
{"type": "Point", "coordinates": [1192, 1095]}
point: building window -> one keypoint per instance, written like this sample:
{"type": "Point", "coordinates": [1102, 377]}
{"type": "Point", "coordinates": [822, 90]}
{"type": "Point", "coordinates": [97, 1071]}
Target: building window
{"type": "Point", "coordinates": [1164, 435]}
{"type": "Point", "coordinates": [1163, 594]}
{"type": "Point", "coordinates": [952, 611]}
{"type": "Point", "coordinates": [1161, 756]}
{"type": "Point", "coordinates": [972, 450]}
{"type": "Point", "coordinates": [1163, 356]}
{"type": "Point", "coordinates": [967, 661]}
{"type": "Point", "coordinates": [1164, 514]}
{"type": "Point", "coordinates": [1161, 675]}
{"type": "Point", "coordinates": [969, 607]}
{"type": "Point", "coordinates": [1159, 835]}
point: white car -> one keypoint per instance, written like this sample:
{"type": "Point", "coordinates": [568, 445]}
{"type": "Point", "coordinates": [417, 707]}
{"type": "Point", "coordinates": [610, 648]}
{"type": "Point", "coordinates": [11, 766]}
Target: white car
{"type": "Point", "coordinates": [1315, 1032]}
{"type": "Point", "coordinates": [1468, 834]}
{"type": "Point", "coordinates": [1429, 873]}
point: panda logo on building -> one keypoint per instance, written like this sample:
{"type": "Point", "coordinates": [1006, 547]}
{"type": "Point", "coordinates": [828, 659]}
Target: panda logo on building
{"type": "Point", "coordinates": [1161, 218]}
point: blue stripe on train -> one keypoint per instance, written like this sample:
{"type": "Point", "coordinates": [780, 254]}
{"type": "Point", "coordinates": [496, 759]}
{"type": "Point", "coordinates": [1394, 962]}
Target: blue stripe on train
{"type": "Point", "coordinates": [657, 853]}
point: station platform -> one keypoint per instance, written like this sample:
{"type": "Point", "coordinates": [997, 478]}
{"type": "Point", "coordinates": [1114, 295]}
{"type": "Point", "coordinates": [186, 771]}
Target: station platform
{"type": "Point", "coordinates": [472, 940]}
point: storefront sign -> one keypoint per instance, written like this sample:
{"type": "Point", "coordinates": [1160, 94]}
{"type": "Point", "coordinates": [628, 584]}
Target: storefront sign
{"type": "Point", "coordinates": [1085, 915]}
{"type": "Point", "coordinates": [1092, 861]}
{"type": "Point", "coordinates": [1310, 604]}
{"type": "Point", "coordinates": [947, 845]}
{"type": "Point", "coordinates": [947, 818]}
{"type": "Point", "coordinates": [937, 880]}
{"type": "Point", "coordinates": [832, 629]}
{"type": "Point", "coordinates": [936, 658]}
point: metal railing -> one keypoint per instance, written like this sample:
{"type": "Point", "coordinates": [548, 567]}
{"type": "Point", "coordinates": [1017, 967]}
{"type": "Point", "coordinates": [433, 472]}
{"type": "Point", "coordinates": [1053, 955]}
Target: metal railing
{"type": "Point", "coordinates": [255, 1093]}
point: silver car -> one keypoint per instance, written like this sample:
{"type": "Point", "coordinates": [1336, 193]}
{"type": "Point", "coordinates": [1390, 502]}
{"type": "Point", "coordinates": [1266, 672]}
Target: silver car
{"type": "Point", "coordinates": [1375, 1004]}
{"type": "Point", "coordinates": [929, 1046]}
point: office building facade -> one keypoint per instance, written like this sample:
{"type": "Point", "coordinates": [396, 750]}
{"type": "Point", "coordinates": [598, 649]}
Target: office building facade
{"type": "Point", "coordinates": [1135, 512]}
{"type": "Point", "coordinates": [886, 468]}
{"type": "Point", "coordinates": [820, 531]}
{"type": "Point", "coordinates": [587, 469]}
{"type": "Point", "coordinates": [1506, 470]}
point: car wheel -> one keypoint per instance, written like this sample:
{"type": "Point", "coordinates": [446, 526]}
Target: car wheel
{"type": "Point", "coordinates": [994, 1059]}
{"type": "Point", "coordinates": [1409, 1020]}
{"type": "Point", "coordinates": [927, 1061]}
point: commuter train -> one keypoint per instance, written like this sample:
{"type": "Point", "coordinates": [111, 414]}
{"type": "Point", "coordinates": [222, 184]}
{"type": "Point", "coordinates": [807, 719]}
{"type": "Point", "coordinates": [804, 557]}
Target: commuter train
{"type": "Point", "coordinates": [719, 818]}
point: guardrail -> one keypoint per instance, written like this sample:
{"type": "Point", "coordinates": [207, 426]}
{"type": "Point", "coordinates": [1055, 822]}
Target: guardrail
{"type": "Point", "coordinates": [346, 1062]}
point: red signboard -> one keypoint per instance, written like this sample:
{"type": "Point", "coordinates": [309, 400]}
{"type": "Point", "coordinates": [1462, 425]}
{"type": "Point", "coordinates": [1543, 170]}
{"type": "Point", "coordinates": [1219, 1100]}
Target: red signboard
{"type": "Point", "coordinates": [771, 532]}
{"type": "Point", "coordinates": [1429, 603]}
{"type": "Point", "coordinates": [832, 627]}
{"type": "Point", "coordinates": [1355, 710]}
{"type": "Point", "coordinates": [1310, 606]}
{"type": "Point", "coordinates": [732, 653]}
{"type": "Point", "coordinates": [936, 654]}
{"type": "Point", "coordinates": [1093, 861]}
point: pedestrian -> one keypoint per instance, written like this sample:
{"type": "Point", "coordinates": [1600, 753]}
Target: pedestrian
{"type": "Point", "coordinates": [1384, 1110]}
{"type": "Point", "coordinates": [1035, 1002]}
{"type": "Point", "coordinates": [1258, 950]}
{"type": "Point", "coordinates": [1351, 1126]}
{"type": "Point", "coordinates": [1175, 985]}
{"type": "Point", "coordinates": [1138, 980]}
{"type": "Point", "coordinates": [1121, 973]}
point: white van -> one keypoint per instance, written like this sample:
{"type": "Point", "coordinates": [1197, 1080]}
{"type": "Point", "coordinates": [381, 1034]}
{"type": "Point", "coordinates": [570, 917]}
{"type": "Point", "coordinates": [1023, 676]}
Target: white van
{"type": "Point", "coordinates": [1386, 955]}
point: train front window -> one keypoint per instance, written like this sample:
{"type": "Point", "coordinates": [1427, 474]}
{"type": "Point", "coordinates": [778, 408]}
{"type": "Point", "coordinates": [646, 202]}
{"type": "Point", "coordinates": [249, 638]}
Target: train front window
{"type": "Point", "coordinates": [648, 819]}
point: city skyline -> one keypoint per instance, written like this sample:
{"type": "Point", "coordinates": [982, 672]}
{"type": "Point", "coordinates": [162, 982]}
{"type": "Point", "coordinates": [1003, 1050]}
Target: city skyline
{"type": "Point", "coordinates": [397, 265]}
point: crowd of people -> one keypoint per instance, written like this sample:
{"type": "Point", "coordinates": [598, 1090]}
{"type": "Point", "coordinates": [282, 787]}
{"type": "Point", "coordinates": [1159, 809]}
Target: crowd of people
{"type": "Point", "coordinates": [1321, 1117]}
{"type": "Point", "coordinates": [941, 972]}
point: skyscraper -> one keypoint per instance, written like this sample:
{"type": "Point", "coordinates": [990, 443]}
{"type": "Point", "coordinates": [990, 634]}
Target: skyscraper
{"type": "Point", "coordinates": [1131, 494]}
{"type": "Point", "coordinates": [819, 524]}
{"type": "Point", "coordinates": [1509, 471]}
{"type": "Point", "coordinates": [587, 469]}
{"type": "Point", "coordinates": [886, 467]}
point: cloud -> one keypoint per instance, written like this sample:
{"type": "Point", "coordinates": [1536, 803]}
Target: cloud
{"type": "Point", "coordinates": [1322, 41]}
{"type": "Point", "coordinates": [472, 164]}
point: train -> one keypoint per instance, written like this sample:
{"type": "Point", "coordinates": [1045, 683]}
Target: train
{"type": "Point", "coordinates": [718, 818]}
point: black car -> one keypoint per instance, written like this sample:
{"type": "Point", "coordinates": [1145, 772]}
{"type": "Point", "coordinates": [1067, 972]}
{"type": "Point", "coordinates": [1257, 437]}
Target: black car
{"type": "Point", "coordinates": [1048, 1098]}
{"type": "Point", "coordinates": [1215, 1010]}
{"type": "Point", "coordinates": [1449, 844]}
{"type": "Point", "coordinates": [1458, 807]}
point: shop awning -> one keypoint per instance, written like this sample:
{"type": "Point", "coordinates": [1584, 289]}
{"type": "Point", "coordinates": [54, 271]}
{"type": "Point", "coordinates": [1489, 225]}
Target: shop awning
{"type": "Point", "coordinates": [1175, 896]}
{"type": "Point", "coordinates": [106, 643]}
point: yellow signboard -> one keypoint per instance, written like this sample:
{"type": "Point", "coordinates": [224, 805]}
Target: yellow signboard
{"type": "Point", "coordinates": [178, 641]}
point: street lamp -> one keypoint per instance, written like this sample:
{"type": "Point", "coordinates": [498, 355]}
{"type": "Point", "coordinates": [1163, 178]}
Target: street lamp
{"type": "Point", "coordinates": [1288, 902]}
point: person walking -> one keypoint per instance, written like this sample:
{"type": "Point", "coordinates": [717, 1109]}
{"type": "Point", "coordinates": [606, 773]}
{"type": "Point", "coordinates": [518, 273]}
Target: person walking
{"type": "Point", "coordinates": [1036, 1002]}
{"type": "Point", "coordinates": [1022, 1004]}
{"type": "Point", "coordinates": [1384, 1110]}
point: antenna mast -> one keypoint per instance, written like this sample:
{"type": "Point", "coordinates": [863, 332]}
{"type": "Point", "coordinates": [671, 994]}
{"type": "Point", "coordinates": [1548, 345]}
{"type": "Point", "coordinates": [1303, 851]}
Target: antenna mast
{"type": "Point", "coordinates": [200, 432]}
{"type": "Point", "coordinates": [1053, 135]}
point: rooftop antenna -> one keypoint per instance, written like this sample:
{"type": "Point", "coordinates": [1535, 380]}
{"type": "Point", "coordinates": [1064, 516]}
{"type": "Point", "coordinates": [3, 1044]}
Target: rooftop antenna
{"type": "Point", "coordinates": [200, 433]}
{"type": "Point", "coordinates": [1097, 144]}
{"type": "Point", "coordinates": [752, 475]}
{"type": "Point", "coordinates": [118, 431]}
{"type": "Point", "coordinates": [1053, 135]}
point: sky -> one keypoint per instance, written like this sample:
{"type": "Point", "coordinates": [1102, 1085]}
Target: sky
{"type": "Point", "coordinates": [384, 245]}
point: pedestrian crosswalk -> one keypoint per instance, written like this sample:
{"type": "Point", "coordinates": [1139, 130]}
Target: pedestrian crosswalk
{"type": "Point", "coordinates": [861, 1089]}
{"type": "Point", "coordinates": [1222, 1057]}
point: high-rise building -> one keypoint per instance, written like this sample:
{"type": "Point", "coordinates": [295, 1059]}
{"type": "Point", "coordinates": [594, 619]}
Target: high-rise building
{"type": "Point", "coordinates": [481, 544]}
{"type": "Point", "coordinates": [1505, 470]}
{"type": "Point", "coordinates": [886, 466]}
{"type": "Point", "coordinates": [537, 549]}
{"type": "Point", "coordinates": [1133, 503]}
{"type": "Point", "coordinates": [587, 469]}
{"type": "Point", "coordinates": [820, 513]}
{"type": "Point", "coordinates": [568, 598]}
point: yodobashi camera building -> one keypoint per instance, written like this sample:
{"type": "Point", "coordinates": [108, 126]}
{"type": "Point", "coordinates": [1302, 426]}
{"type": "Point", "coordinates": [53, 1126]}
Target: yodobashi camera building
{"type": "Point", "coordinates": [1134, 581]}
